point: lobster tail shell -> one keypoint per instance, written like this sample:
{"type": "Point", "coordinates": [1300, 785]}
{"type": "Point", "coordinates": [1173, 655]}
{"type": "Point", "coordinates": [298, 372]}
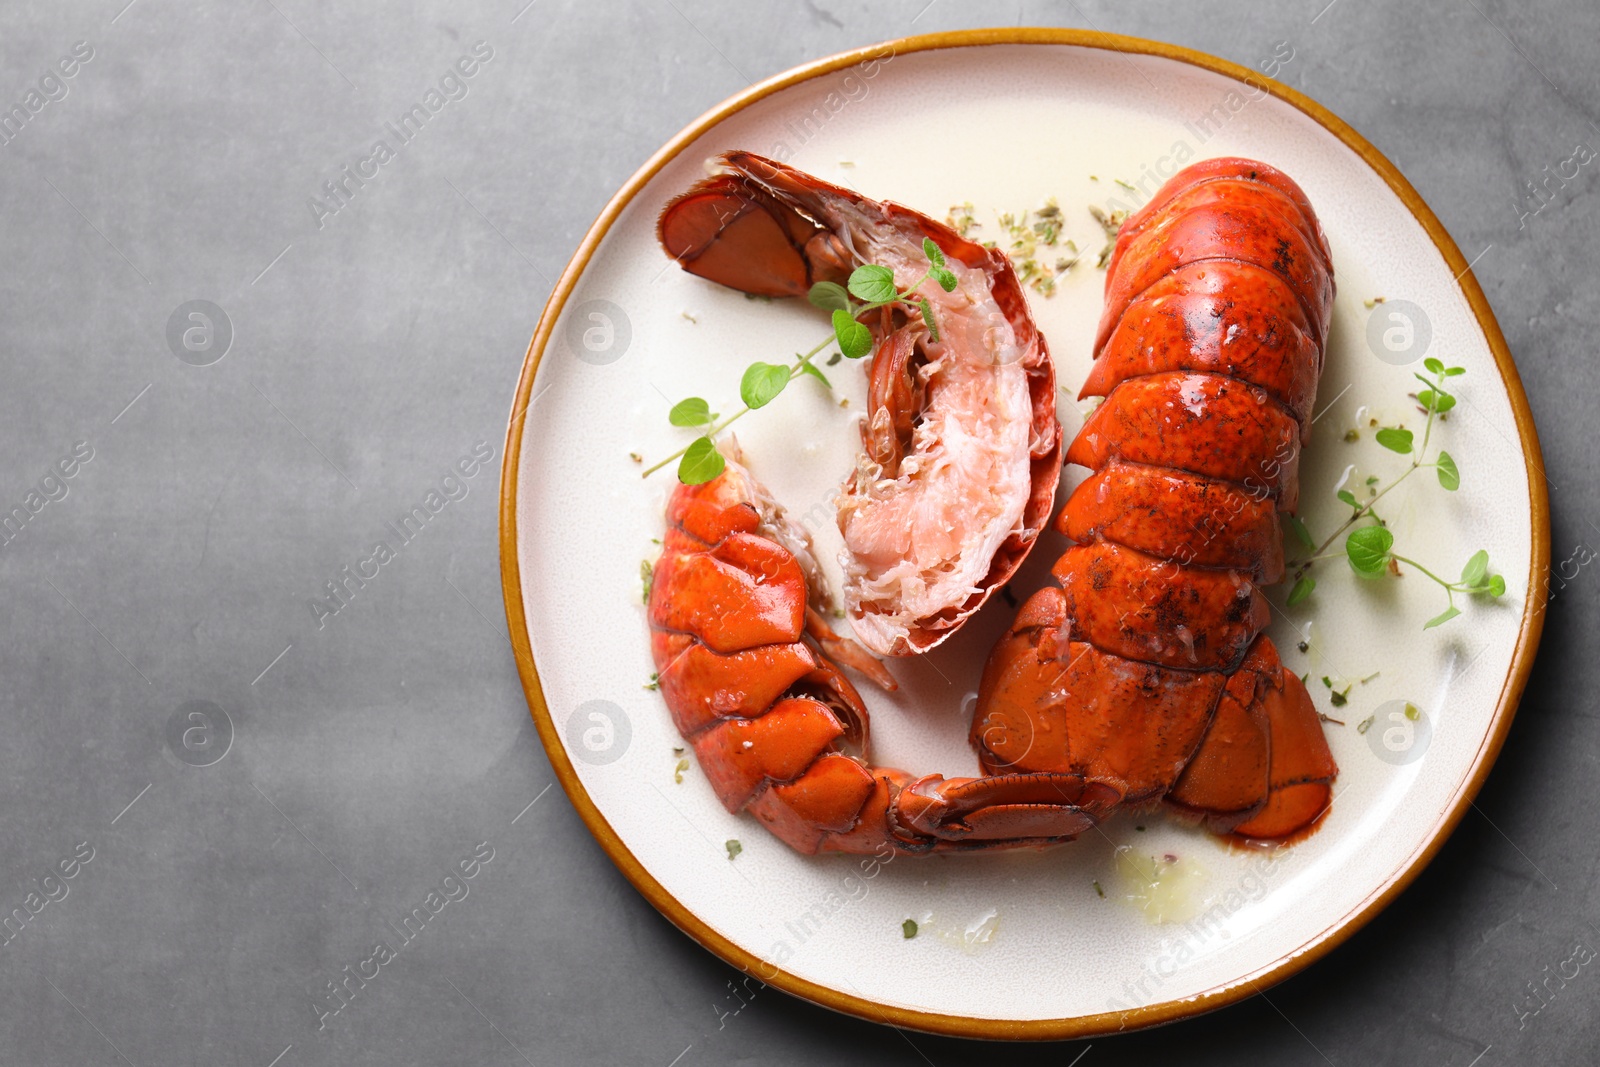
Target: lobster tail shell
{"type": "Point", "coordinates": [1147, 671]}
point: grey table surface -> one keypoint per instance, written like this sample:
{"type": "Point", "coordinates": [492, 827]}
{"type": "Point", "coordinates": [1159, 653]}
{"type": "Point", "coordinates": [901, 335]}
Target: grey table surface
{"type": "Point", "coordinates": [364, 353]}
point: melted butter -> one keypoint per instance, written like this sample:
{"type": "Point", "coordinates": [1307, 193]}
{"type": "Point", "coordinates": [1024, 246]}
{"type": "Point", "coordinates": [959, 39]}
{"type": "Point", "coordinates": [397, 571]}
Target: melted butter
{"type": "Point", "coordinates": [1165, 888]}
{"type": "Point", "coordinates": [969, 705]}
{"type": "Point", "coordinates": [969, 939]}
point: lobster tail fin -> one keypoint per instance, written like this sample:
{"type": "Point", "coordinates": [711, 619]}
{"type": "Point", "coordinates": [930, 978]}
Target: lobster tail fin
{"type": "Point", "coordinates": [1300, 782]}
{"type": "Point", "coordinates": [730, 233]}
{"type": "Point", "coordinates": [1264, 769]}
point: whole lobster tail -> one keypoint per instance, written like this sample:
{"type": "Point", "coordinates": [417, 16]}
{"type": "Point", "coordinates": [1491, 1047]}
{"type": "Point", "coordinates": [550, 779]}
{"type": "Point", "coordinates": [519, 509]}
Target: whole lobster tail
{"type": "Point", "coordinates": [1146, 672]}
{"type": "Point", "coordinates": [746, 666]}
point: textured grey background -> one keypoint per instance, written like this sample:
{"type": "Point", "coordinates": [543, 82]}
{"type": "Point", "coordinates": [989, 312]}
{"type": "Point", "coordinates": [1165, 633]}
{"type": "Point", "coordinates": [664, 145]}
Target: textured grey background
{"type": "Point", "coordinates": [368, 355]}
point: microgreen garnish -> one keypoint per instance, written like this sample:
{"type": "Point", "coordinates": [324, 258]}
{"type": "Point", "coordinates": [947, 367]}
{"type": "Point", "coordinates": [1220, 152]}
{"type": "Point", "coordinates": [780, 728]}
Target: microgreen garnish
{"type": "Point", "coordinates": [1370, 548]}
{"type": "Point", "coordinates": [869, 287]}
{"type": "Point", "coordinates": [761, 384]}
{"type": "Point", "coordinates": [733, 847]}
{"type": "Point", "coordinates": [811, 369]}
{"type": "Point", "coordinates": [691, 412]}
{"type": "Point", "coordinates": [1449, 476]}
{"type": "Point", "coordinates": [908, 929]}
{"type": "Point", "coordinates": [872, 284]}
{"type": "Point", "coordinates": [646, 575]}
{"type": "Point", "coordinates": [1395, 439]}
{"type": "Point", "coordinates": [701, 462]}
{"type": "Point", "coordinates": [1301, 533]}
{"type": "Point", "coordinates": [829, 296]}
{"type": "Point", "coordinates": [855, 340]}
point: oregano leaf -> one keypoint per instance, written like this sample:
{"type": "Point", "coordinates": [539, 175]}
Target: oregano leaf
{"type": "Point", "coordinates": [811, 368]}
{"type": "Point", "coordinates": [927, 318]}
{"type": "Point", "coordinates": [1301, 590]}
{"type": "Point", "coordinates": [701, 463]}
{"type": "Point", "coordinates": [693, 411]}
{"type": "Point", "coordinates": [829, 296]}
{"type": "Point", "coordinates": [1449, 475]}
{"type": "Point", "coordinates": [1443, 617]}
{"type": "Point", "coordinates": [1303, 535]}
{"type": "Point", "coordinates": [761, 384]}
{"type": "Point", "coordinates": [1368, 550]}
{"type": "Point", "coordinates": [1395, 440]}
{"type": "Point", "coordinates": [931, 250]}
{"type": "Point", "coordinates": [855, 340]}
{"type": "Point", "coordinates": [873, 283]}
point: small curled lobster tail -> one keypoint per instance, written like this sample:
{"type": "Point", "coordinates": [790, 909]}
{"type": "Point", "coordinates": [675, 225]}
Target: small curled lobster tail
{"type": "Point", "coordinates": [747, 668]}
{"type": "Point", "coordinates": [1146, 671]}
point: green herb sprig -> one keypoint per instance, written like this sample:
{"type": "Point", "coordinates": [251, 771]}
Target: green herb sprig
{"type": "Point", "coordinates": [869, 288]}
{"type": "Point", "coordinates": [1368, 542]}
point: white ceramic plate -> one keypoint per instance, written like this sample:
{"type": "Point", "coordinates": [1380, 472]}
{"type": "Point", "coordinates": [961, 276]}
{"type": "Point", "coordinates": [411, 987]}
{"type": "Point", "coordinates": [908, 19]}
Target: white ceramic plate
{"type": "Point", "coordinates": [1016, 944]}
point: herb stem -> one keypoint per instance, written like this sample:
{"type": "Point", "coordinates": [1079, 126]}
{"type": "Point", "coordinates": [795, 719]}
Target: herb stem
{"type": "Point", "coordinates": [1427, 427]}
{"type": "Point", "coordinates": [798, 369]}
{"type": "Point", "coordinates": [794, 372]}
{"type": "Point", "coordinates": [1402, 559]}
{"type": "Point", "coordinates": [1364, 509]}
{"type": "Point", "coordinates": [1361, 512]}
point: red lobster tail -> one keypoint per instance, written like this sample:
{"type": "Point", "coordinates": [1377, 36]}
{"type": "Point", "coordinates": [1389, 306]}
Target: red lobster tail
{"type": "Point", "coordinates": [1147, 672]}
